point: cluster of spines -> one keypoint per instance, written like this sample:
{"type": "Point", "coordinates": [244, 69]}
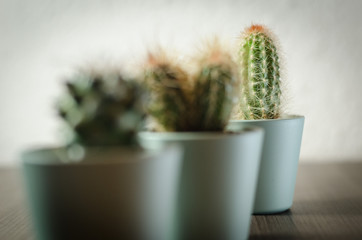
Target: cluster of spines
{"type": "Point", "coordinates": [102, 109]}
{"type": "Point", "coordinates": [260, 73]}
{"type": "Point", "coordinates": [203, 101]}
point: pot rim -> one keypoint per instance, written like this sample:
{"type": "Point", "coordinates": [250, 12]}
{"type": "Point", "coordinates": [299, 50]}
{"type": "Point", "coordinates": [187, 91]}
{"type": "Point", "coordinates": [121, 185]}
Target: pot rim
{"type": "Point", "coordinates": [120, 155]}
{"type": "Point", "coordinates": [286, 117]}
{"type": "Point", "coordinates": [199, 136]}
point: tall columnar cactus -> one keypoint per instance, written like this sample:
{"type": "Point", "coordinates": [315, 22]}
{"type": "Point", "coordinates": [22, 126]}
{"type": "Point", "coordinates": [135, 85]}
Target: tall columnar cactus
{"type": "Point", "coordinates": [260, 73]}
{"type": "Point", "coordinates": [202, 101]}
{"type": "Point", "coordinates": [102, 109]}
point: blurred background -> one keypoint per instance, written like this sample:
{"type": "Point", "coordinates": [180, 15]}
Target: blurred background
{"type": "Point", "coordinates": [42, 40]}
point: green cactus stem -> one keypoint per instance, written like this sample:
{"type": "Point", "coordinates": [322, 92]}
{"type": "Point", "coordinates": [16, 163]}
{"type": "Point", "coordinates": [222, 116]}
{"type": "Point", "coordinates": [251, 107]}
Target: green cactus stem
{"type": "Point", "coordinates": [202, 101]}
{"type": "Point", "coordinates": [169, 86]}
{"type": "Point", "coordinates": [260, 73]}
{"type": "Point", "coordinates": [215, 89]}
{"type": "Point", "coordinates": [102, 109]}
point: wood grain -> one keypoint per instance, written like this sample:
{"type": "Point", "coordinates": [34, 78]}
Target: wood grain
{"type": "Point", "coordinates": [14, 218]}
{"type": "Point", "coordinates": [327, 205]}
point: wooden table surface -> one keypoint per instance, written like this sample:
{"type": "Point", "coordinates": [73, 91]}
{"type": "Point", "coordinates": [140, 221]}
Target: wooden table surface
{"type": "Point", "coordinates": [327, 205]}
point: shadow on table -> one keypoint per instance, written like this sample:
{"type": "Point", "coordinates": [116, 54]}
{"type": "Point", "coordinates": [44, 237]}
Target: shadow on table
{"type": "Point", "coordinates": [286, 212]}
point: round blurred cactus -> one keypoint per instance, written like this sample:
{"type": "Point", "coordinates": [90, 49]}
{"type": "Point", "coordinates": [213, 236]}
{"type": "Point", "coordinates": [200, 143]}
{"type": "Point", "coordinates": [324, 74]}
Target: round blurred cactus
{"type": "Point", "coordinates": [102, 109]}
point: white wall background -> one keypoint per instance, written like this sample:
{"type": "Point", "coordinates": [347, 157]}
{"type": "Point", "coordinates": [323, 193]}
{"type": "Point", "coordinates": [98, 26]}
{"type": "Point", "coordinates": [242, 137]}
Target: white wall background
{"type": "Point", "coordinates": [40, 40]}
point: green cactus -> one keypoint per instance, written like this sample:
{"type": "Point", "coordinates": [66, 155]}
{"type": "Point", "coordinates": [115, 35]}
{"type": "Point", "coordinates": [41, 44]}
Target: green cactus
{"type": "Point", "coordinates": [193, 102]}
{"type": "Point", "coordinates": [169, 85]}
{"type": "Point", "coordinates": [260, 74]}
{"type": "Point", "coordinates": [215, 89]}
{"type": "Point", "coordinates": [102, 109]}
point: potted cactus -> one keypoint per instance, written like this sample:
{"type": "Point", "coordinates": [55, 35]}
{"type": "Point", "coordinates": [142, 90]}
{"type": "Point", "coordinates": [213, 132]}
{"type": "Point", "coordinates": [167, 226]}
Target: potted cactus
{"type": "Point", "coordinates": [260, 105]}
{"type": "Point", "coordinates": [219, 170]}
{"type": "Point", "coordinates": [102, 185]}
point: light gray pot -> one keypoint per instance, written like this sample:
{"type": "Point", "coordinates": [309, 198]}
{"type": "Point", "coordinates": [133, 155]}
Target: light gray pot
{"type": "Point", "coordinates": [279, 164]}
{"type": "Point", "coordinates": [110, 194]}
{"type": "Point", "coordinates": [218, 181]}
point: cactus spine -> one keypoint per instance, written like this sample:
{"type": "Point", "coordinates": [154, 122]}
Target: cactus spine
{"type": "Point", "coordinates": [102, 109]}
{"type": "Point", "coordinates": [202, 101]}
{"type": "Point", "coordinates": [260, 73]}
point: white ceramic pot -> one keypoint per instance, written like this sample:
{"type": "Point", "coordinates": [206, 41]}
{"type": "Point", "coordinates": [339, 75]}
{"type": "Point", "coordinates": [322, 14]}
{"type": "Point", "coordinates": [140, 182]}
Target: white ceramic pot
{"type": "Point", "coordinates": [113, 193]}
{"type": "Point", "coordinates": [218, 181]}
{"type": "Point", "coordinates": [279, 164]}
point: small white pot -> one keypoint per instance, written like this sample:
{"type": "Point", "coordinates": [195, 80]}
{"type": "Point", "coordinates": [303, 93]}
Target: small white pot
{"type": "Point", "coordinates": [279, 164]}
{"type": "Point", "coordinates": [218, 181]}
{"type": "Point", "coordinates": [113, 193]}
